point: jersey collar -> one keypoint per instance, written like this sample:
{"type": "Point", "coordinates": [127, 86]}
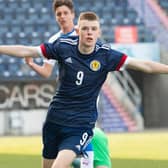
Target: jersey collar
{"type": "Point", "coordinates": [67, 34]}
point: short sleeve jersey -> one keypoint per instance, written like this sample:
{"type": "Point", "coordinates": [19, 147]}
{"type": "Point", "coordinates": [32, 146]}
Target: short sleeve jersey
{"type": "Point", "coordinates": [81, 78]}
{"type": "Point", "coordinates": [55, 37]}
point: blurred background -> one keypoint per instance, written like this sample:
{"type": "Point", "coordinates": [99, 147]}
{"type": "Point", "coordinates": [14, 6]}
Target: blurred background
{"type": "Point", "coordinates": [129, 101]}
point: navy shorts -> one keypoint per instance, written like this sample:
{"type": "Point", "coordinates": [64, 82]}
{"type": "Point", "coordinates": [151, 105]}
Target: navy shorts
{"type": "Point", "coordinates": [57, 138]}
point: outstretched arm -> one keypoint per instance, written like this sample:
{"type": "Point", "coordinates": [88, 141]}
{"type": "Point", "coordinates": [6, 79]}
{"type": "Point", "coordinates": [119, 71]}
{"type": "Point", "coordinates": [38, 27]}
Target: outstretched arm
{"type": "Point", "coordinates": [20, 50]}
{"type": "Point", "coordinates": [44, 70]}
{"type": "Point", "coordinates": [147, 66]}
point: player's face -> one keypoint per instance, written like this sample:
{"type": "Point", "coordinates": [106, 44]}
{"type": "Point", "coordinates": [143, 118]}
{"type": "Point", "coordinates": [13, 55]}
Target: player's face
{"type": "Point", "coordinates": [89, 32]}
{"type": "Point", "coordinates": [64, 17]}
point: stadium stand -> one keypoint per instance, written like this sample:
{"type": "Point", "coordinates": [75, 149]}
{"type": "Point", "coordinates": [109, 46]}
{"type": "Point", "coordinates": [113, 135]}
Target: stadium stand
{"type": "Point", "coordinates": [154, 19]}
{"type": "Point", "coordinates": [120, 104]}
{"type": "Point", "coordinates": [115, 119]}
{"type": "Point", "coordinates": [27, 24]}
{"type": "Point", "coordinates": [111, 121]}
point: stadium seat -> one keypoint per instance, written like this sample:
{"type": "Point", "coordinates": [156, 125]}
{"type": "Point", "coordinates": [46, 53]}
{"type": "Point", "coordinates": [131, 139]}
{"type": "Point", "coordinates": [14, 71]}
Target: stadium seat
{"type": "Point", "coordinates": [24, 4]}
{"type": "Point", "coordinates": [132, 15]}
{"type": "Point", "coordinates": [6, 74]}
{"type": "Point", "coordinates": [122, 3]}
{"type": "Point", "coordinates": [164, 4]}
{"type": "Point", "coordinates": [29, 28]}
{"type": "Point", "coordinates": [1, 13]}
{"type": "Point", "coordinates": [3, 67]}
{"type": "Point", "coordinates": [108, 34]}
{"type": "Point", "coordinates": [19, 74]}
{"type": "Point", "coordinates": [10, 39]}
{"type": "Point", "coordinates": [22, 38]}
{"type": "Point", "coordinates": [144, 34]}
{"type": "Point", "coordinates": [13, 68]}
{"type": "Point", "coordinates": [32, 73]}
{"type": "Point", "coordinates": [16, 28]}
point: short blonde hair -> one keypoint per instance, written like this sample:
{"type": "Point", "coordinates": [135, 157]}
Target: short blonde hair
{"type": "Point", "coordinates": [91, 16]}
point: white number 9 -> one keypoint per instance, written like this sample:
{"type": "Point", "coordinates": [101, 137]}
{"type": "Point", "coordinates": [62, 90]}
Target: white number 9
{"type": "Point", "coordinates": [84, 138]}
{"type": "Point", "coordinates": [79, 77]}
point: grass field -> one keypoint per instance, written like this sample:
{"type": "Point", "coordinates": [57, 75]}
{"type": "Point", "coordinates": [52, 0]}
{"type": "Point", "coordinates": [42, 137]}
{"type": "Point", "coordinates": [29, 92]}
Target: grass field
{"type": "Point", "coordinates": [128, 150]}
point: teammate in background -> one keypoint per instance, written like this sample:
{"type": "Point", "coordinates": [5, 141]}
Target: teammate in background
{"type": "Point", "coordinates": [84, 65]}
{"type": "Point", "coordinates": [64, 14]}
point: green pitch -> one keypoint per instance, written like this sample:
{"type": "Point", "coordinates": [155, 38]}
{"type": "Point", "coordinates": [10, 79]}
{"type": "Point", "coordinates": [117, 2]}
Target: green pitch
{"type": "Point", "coordinates": [128, 150]}
{"type": "Point", "coordinates": [19, 152]}
{"type": "Point", "coordinates": [20, 161]}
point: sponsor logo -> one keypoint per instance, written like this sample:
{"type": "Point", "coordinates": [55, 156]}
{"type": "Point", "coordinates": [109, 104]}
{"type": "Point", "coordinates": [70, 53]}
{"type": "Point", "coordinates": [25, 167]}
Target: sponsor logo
{"type": "Point", "coordinates": [78, 147]}
{"type": "Point", "coordinates": [69, 60]}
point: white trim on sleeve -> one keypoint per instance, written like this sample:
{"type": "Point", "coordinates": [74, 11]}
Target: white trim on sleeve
{"type": "Point", "coordinates": [125, 64]}
{"type": "Point", "coordinates": [50, 61]}
{"type": "Point", "coordinates": [39, 51]}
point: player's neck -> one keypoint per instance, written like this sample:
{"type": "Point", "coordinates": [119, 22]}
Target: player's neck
{"type": "Point", "coordinates": [67, 29]}
{"type": "Point", "coordinates": [85, 50]}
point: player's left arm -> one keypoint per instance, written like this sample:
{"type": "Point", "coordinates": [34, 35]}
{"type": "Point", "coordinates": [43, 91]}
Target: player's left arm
{"type": "Point", "coordinates": [146, 66]}
{"type": "Point", "coordinates": [20, 50]}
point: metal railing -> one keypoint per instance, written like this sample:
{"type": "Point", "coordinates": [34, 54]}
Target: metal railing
{"type": "Point", "coordinates": [128, 94]}
{"type": "Point", "coordinates": [130, 88]}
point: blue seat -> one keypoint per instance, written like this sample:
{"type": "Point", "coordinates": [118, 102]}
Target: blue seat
{"type": "Point", "coordinates": [2, 68]}
{"type": "Point", "coordinates": [6, 74]}
{"type": "Point", "coordinates": [131, 14]}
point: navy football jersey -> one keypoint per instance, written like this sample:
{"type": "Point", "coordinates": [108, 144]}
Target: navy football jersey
{"type": "Point", "coordinates": [81, 78]}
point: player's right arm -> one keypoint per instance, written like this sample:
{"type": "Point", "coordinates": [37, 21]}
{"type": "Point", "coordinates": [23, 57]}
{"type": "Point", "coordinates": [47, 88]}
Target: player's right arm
{"type": "Point", "coordinates": [44, 70]}
{"type": "Point", "coordinates": [20, 50]}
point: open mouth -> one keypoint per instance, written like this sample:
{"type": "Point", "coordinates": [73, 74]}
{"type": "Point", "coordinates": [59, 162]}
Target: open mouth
{"type": "Point", "coordinates": [89, 39]}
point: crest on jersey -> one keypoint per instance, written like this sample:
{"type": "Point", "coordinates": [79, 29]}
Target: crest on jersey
{"type": "Point", "coordinates": [95, 65]}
